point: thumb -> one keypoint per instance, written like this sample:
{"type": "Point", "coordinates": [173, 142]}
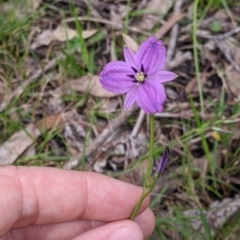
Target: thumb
{"type": "Point", "coordinates": [125, 229]}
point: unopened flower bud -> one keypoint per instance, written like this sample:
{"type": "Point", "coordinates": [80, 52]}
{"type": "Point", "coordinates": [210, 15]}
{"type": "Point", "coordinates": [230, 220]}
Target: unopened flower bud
{"type": "Point", "coordinates": [163, 161]}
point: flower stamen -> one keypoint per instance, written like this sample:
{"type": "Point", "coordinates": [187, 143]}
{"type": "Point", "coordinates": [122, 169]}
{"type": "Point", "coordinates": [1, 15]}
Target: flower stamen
{"type": "Point", "coordinates": [140, 76]}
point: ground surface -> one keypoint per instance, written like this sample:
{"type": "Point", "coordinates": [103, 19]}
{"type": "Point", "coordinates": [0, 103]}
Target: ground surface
{"type": "Point", "coordinates": [54, 113]}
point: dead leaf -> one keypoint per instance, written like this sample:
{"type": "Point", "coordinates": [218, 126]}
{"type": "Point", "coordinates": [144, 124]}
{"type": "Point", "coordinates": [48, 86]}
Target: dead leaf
{"type": "Point", "coordinates": [17, 144]}
{"type": "Point", "coordinates": [33, 4]}
{"type": "Point", "coordinates": [31, 65]}
{"type": "Point", "coordinates": [118, 12]}
{"type": "Point", "coordinates": [158, 10]}
{"type": "Point", "coordinates": [108, 106]}
{"type": "Point", "coordinates": [231, 49]}
{"type": "Point", "coordinates": [219, 213]}
{"type": "Point", "coordinates": [74, 133]}
{"type": "Point", "coordinates": [52, 121]}
{"type": "Point", "coordinates": [54, 103]}
{"type": "Point", "coordinates": [192, 86]}
{"type": "Point", "coordinates": [20, 141]}
{"type": "Point", "coordinates": [100, 165]}
{"type": "Point", "coordinates": [130, 42]}
{"type": "Point", "coordinates": [89, 84]}
{"type": "Point", "coordinates": [44, 39]}
{"type": "Point", "coordinates": [88, 33]}
{"type": "Point", "coordinates": [63, 33]}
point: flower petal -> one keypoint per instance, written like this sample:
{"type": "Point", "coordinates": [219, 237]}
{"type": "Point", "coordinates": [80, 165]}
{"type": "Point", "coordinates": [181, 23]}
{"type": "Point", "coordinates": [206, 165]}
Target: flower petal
{"type": "Point", "coordinates": [129, 57]}
{"type": "Point", "coordinates": [152, 54]}
{"type": "Point", "coordinates": [162, 76]}
{"type": "Point", "coordinates": [151, 96]}
{"type": "Point", "coordinates": [130, 97]}
{"type": "Point", "coordinates": [114, 77]}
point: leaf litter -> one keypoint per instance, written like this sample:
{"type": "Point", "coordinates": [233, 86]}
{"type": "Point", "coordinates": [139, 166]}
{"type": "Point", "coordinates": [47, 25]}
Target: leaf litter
{"type": "Point", "coordinates": [85, 123]}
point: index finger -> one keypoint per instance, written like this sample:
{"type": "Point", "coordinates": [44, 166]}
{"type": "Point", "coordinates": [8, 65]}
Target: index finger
{"type": "Point", "coordinates": [46, 195]}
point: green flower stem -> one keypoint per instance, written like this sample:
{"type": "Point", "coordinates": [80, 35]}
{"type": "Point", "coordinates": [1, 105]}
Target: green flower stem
{"type": "Point", "coordinates": [151, 144]}
{"type": "Point", "coordinates": [139, 203]}
{"type": "Point", "coordinates": [145, 193]}
{"type": "Point", "coordinates": [149, 182]}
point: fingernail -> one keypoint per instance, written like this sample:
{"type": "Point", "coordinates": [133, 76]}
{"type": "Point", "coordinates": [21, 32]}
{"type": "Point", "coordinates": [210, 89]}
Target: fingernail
{"type": "Point", "coordinates": [126, 233]}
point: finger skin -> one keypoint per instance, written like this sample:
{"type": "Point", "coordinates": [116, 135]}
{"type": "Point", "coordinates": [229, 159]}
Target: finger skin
{"type": "Point", "coordinates": [59, 231]}
{"type": "Point", "coordinates": [63, 231]}
{"type": "Point", "coordinates": [146, 221]}
{"type": "Point", "coordinates": [141, 228]}
{"type": "Point", "coordinates": [108, 230]}
{"type": "Point", "coordinates": [35, 196]}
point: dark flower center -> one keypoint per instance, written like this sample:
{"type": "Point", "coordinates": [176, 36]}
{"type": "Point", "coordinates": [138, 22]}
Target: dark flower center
{"type": "Point", "coordinates": [139, 76]}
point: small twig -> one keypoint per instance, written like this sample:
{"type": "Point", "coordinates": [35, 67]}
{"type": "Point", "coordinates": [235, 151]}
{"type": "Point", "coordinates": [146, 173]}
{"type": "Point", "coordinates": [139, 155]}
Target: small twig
{"type": "Point", "coordinates": [232, 179]}
{"type": "Point", "coordinates": [174, 32]}
{"type": "Point", "coordinates": [138, 123]}
{"type": "Point", "coordinates": [17, 92]}
{"type": "Point", "coordinates": [219, 36]}
{"type": "Point", "coordinates": [232, 121]}
{"type": "Point", "coordinates": [117, 26]}
{"type": "Point", "coordinates": [135, 131]}
{"type": "Point", "coordinates": [176, 17]}
{"type": "Point", "coordinates": [182, 115]}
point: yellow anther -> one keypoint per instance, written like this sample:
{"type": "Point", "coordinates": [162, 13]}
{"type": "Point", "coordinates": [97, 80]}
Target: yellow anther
{"type": "Point", "coordinates": [140, 77]}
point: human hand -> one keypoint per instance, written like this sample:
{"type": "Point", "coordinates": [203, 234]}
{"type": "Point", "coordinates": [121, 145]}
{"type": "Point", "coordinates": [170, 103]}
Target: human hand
{"type": "Point", "coordinates": [47, 204]}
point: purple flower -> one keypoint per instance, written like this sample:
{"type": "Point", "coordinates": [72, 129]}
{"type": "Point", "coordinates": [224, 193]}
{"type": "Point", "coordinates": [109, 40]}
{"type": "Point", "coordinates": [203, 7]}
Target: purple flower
{"type": "Point", "coordinates": [163, 162]}
{"type": "Point", "coordinates": [140, 76]}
